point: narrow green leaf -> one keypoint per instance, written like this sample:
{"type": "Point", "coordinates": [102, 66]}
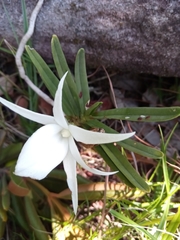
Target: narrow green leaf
{"type": "Point", "coordinates": [48, 77]}
{"type": "Point", "coordinates": [66, 108]}
{"type": "Point", "coordinates": [141, 114]}
{"type": "Point", "coordinates": [59, 58]}
{"type": "Point", "coordinates": [128, 144]}
{"type": "Point", "coordinates": [34, 220]}
{"type": "Point", "coordinates": [5, 195]}
{"type": "Point", "coordinates": [3, 213]}
{"type": "Point", "coordinates": [70, 99]}
{"type": "Point", "coordinates": [2, 136]}
{"type": "Point", "coordinates": [111, 164]}
{"type": "Point", "coordinates": [93, 108]}
{"type": "Point", "coordinates": [124, 166]}
{"type": "Point", "coordinates": [81, 79]}
{"type": "Point", "coordinates": [70, 90]}
{"type": "Point", "coordinates": [141, 149]}
{"type": "Point", "coordinates": [2, 228]}
{"type": "Point", "coordinates": [10, 153]}
{"type": "Point", "coordinates": [18, 210]}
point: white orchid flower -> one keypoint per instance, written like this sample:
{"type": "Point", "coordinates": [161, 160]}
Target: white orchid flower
{"type": "Point", "coordinates": [54, 143]}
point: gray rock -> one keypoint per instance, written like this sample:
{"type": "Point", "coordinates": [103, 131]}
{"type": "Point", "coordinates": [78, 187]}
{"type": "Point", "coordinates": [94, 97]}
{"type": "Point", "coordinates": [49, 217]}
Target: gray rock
{"type": "Point", "coordinates": [141, 36]}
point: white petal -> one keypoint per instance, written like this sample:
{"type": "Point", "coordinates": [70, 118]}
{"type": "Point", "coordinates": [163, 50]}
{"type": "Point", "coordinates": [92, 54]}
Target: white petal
{"type": "Point", "coordinates": [90, 137]}
{"type": "Point", "coordinates": [36, 117]}
{"type": "Point", "coordinates": [70, 169]}
{"type": "Point", "coordinates": [43, 151]}
{"type": "Point", "coordinates": [57, 109]}
{"type": "Point", "coordinates": [75, 153]}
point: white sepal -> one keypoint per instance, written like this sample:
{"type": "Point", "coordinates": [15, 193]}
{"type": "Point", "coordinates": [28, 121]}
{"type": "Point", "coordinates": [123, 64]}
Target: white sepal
{"type": "Point", "coordinates": [90, 137]}
{"type": "Point", "coordinates": [57, 109]}
{"type": "Point", "coordinates": [36, 117]}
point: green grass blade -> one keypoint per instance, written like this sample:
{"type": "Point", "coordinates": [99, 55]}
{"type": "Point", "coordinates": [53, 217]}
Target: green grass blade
{"type": "Point", "coordinates": [162, 224]}
{"type": "Point", "coordinates": [25, 20]}
{"type": "Point", "coordinates": [170, 135]}
{"type": "Point", "coordinates": [10, 23]}
{"type": "Point", "coordinates": [81, 79]}
{"type": "Point", "coordinates": [131, 223]}
{"type": "Point", "coordinates": [141, 114]}
{"type": "Point", "coordinates": [173, 225]}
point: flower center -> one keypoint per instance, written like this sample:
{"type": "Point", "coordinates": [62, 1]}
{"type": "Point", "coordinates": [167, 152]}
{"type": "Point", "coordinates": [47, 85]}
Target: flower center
{"type": "Point", "coordinates": [65, 133]}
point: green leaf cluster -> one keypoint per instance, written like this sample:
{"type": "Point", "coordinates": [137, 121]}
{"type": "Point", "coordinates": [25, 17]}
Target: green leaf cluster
{"type": "Point", "coordinates": [42, 201]}
{"type": "Point", "coordinates": [75, 99]}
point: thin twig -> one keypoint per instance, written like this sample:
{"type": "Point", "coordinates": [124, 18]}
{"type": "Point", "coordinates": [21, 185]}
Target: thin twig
{"type": "Point", "coordinates": [115, 104]}
{"type": "Point", "coordinates": [16, 131]}
{"type": "Point", "coordinates": [104, 212]}
{"type": "Point", "coordinates": [20, 51]}
{"type": "Point", "coordinates": [112, 94]}
{"type": "Point", "coordinates": [111, 87]}
{"type": "Point", "coordinates": [9, 78]}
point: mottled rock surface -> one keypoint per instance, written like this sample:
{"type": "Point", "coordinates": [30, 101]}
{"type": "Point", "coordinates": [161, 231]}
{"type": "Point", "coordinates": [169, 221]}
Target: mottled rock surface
{"type": "Point", "coordinates": [131, 35]}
